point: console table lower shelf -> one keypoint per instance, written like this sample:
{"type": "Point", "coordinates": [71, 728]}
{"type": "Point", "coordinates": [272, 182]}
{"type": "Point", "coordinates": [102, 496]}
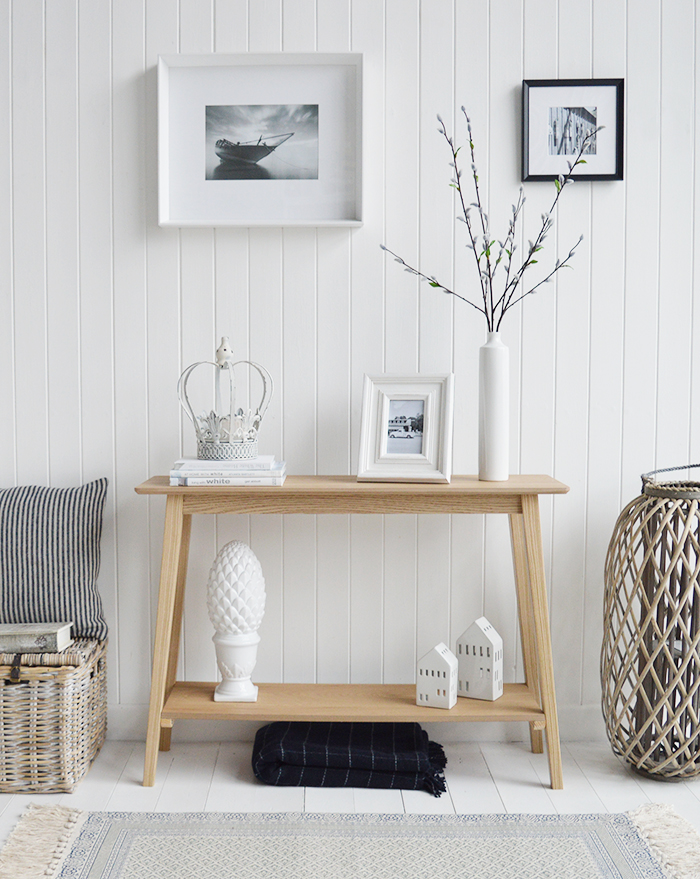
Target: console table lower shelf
{"type": "Point", "coordinates": [371, 703]}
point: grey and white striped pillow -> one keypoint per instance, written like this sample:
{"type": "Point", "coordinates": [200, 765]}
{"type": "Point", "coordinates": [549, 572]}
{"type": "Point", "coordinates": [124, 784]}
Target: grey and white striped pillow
{"type": "Point", "coordinates": [50, 556]}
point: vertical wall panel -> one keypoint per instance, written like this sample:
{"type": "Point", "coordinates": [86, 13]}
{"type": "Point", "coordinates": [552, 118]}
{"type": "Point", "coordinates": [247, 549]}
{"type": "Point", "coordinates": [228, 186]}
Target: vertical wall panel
{"type": "Point", "coordinates": [676, 242]}
{"type": "Point", "coordinates": [333, 25]}
{"type": "Point", "coordinates": [265, 26]}
{"type": "Point", "coordinates": [695, 366]}
{"type": "Point", "coordinates": [100, 310]}
{"type": "Point", "coordinates": [333, 449]}
{"type": "Point", "coordinates": [402, 178]}
{"type": "Point", "coordinates": [199, 342]}
{"type": "Point", "coordinates": [8, 444]}
{"type": "Point", "coordinates": [333, 377]}
{"type": "Point", "coordinates": [368, 340]}
{"type": "Point", "coordinates": [61, 252]}
{"type": "Point", "coordinates": [471, 75]}
{"type": "Point", "coordinates": [299, 412]}
{"type": "Point", "coordinates": [538, 312]}
{"type": "Point", "coordinates": [130, 347]}
{"type": "Point", "coordinates": [436, 229]}
{"type": "Point", "coordinates": [333, 435]}
{"type": "Point", "coordinates": [28, 165]}
{"type": "Point", "coordinates": [232, 293]}
{"type": "Point", "coordinates": [498, 182]}
{"type": "Point", "coordinates": [299, 427]}
{"type": "Point", "coordinates": [572, 380]}
{"type": "Point", "coordinates": [231, 25]}
{"type": "Point", "coordinates": [162, 299]}
{"type": "Point", "coordinates": [402, 77]}
{"type": "Point", "coordinates": [607, 243]}
{"type": "Point", "coordinates": [643, 93]}
{"type": "Point", "coordinates": [266, 346]}
{"type": "Point", "coordinates": [95, 253]}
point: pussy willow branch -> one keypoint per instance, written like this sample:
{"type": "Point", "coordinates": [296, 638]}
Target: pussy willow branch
{"type": "Point", "coordinates": [432, 281]}
{"type": "Point", "coordinates": [494, 310]}
{"type": "Point", "coordinates": [507, 301]}
{"type": "Point", "coordinates": [485, 288]}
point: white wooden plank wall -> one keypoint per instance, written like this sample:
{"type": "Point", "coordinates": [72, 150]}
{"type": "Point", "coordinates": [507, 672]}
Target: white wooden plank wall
{"type": "Point", "coordinates": [100, 310]}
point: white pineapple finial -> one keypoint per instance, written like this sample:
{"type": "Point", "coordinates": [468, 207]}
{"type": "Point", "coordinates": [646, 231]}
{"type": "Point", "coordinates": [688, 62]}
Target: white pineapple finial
{"type": "Point", "coordinates": [236, 604]}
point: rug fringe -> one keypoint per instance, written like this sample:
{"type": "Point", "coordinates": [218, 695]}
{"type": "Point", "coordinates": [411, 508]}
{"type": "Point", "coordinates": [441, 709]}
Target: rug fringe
{"type": "Point", "coordinates": [672, 839]}
{"type": "Point", "coordinates": [40, 838]}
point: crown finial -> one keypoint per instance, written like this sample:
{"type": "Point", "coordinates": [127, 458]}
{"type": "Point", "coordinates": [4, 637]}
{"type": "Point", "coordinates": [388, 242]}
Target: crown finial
{"type": "Point", "coordinates": [228, 431]}
{"type": "Point", "coordinates": [224, 353]}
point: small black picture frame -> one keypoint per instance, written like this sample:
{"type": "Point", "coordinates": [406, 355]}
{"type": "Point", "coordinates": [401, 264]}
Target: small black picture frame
{"type": "Point", "coordinates": [558, 113]}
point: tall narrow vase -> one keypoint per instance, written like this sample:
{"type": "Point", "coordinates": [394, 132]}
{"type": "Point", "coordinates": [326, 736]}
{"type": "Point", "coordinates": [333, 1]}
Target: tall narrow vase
{"type": "Point", "coordinates": [493, 410]}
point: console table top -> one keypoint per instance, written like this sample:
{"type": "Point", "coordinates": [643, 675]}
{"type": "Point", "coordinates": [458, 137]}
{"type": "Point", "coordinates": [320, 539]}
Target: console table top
{"type": "Point", "coordinates": [348, 485]}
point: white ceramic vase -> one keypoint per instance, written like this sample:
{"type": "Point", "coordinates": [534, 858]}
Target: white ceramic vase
{"type": "Point", "coordinates": [493, 410]}
{"type": "Point", "coordinates": [236, 604]}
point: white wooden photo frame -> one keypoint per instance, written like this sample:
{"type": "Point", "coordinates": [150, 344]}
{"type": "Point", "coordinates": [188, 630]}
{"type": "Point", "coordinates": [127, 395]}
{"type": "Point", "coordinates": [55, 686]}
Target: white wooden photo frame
{"type": "Point", "coordinates": [221, 159]}
{"type": "Point", "coordinates": [406, 431]}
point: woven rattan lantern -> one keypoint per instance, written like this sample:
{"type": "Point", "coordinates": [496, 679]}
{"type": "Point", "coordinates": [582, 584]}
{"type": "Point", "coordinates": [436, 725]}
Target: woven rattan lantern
{"type": "Point", "coordinates": [650, 663]}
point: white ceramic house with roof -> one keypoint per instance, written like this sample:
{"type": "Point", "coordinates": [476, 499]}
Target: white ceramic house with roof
{"type": "Point", "coordinates": [436, 678]}
{"type": "Point", "coordinates": [480, 660]}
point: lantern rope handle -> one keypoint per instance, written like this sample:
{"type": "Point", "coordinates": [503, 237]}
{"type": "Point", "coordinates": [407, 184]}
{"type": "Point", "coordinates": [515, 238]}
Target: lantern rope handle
{"type": "Point", "coordinates": [687, 488]}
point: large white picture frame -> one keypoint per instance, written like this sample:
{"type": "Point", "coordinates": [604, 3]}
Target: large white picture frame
{"type": "Point", "coordinates": [406, 431]}
{"type": "Point", "coordinates": [221, 160]}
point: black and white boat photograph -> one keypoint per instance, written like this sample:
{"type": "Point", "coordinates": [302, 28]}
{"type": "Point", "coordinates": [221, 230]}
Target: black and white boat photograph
{"type": "Point", "coordinates": [262, 142]}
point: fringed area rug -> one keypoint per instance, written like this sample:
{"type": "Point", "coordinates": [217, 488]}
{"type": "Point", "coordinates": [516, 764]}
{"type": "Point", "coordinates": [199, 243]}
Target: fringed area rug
{"type": "Point", "coordinates": [55, 841]}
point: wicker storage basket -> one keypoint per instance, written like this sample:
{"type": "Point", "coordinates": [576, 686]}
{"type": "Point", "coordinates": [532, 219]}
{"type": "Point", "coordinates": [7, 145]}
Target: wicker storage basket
{"type": "Point", "coordinates": [54, 719]}
{"type": "Point", "coordinates": [650, 662]}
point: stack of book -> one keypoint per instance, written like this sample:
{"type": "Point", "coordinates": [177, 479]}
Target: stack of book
{"type": "Point", "coordinates": [263, 470]}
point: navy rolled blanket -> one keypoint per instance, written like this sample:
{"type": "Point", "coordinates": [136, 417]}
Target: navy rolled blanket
{"type": "Point", "coordinates": [376, 755]}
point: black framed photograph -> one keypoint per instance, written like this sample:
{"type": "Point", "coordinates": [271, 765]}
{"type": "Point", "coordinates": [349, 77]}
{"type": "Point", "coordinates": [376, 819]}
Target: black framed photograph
{"type": "Point", "coordinates": [260, 139]}
{"type": "Point", "coordinates": [558, 114]}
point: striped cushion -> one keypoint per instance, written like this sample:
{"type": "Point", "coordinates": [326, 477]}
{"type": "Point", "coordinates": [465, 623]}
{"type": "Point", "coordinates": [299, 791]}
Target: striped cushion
{"type": "Point", "coordinates": [50, 556]}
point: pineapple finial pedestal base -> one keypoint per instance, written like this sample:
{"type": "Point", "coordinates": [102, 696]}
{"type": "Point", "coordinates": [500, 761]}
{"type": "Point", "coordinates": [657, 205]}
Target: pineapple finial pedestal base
{"type": "Point", "coordinates": [236, 656]}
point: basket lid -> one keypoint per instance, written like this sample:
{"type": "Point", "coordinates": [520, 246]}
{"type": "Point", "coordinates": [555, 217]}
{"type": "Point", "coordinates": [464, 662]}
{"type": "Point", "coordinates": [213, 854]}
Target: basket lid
{"type": "Point", "coordinates": [678, 489]}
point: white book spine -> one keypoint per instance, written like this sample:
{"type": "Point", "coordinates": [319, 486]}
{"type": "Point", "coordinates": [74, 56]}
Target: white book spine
{"type": "Point", "coordinates": [228, 474]}
{"type": "Point", "coordinates": [228, 480]}
{"type": "Point", "coordinates": [265, 462]}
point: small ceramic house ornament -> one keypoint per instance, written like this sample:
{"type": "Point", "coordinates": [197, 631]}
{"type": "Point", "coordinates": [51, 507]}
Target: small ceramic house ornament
{"type": "Point", "coordinates": [480, 658]}
{"type": "Point", "coordinates": [436, 678]}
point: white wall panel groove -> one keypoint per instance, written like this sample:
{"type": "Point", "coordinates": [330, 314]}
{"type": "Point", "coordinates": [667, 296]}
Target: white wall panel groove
{"type": "Point", "coordinates": [100, 310]}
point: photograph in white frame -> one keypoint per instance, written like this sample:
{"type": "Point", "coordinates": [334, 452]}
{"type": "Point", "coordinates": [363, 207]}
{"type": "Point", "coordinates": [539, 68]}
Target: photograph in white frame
{"type": "Point", "coordinates": [406, 430]}
{"type": "Point", "coordinates": [260, 139]}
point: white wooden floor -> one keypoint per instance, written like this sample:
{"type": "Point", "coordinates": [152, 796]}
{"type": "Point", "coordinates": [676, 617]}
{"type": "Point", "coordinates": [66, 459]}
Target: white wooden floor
{"type": "Point", "coordinates": [480, 777]}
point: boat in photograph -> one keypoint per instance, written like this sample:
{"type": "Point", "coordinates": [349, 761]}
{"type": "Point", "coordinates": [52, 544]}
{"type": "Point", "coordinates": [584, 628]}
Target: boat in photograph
{"type": "Point", "coordinates": [251, 151]}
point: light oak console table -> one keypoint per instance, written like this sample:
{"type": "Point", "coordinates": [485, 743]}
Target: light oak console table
{"type": "Point", "coordinates": [532, 702]}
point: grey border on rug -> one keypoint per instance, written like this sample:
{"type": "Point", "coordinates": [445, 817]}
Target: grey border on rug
{"type": "Point", "coordinates": [42, 839]}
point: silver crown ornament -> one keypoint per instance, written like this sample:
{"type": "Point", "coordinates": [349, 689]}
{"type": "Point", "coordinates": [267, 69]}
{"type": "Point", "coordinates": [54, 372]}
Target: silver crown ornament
{"type": "Point", "coordinates": [228, 432]}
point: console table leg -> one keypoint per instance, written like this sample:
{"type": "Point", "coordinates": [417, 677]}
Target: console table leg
{"type": "Point", "coordinates": [535, 560]}
{"type": "Point", "coordinates": [527, 636]}
{"type": "Point", "coordinates": [176, 629]}
{"type": "Point", "coordinates": [162, 648]}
